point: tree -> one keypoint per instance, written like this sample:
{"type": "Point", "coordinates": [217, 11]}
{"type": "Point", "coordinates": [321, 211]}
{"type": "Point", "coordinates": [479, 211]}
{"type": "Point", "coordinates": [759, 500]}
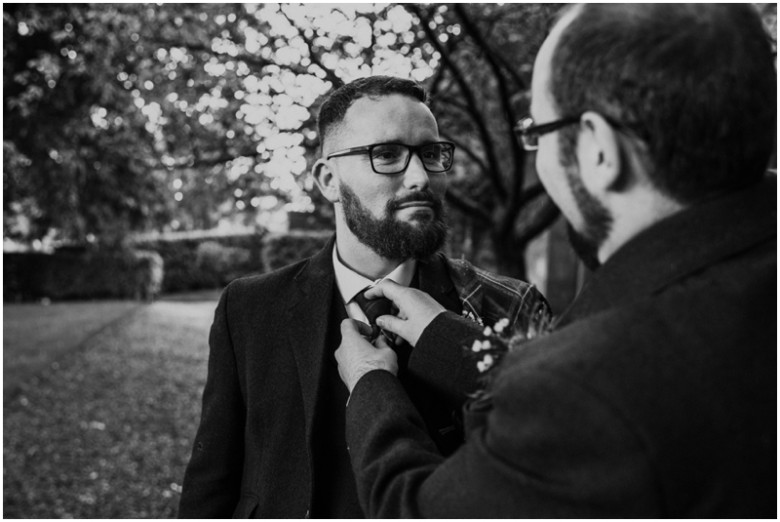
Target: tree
{"type": "Point", "coordinates": [131, 117]}
{"type": "Point", "coordinates": [480, 91]}
{"type": "Point", "coordinates": [66, 165]}
{"type": "Point", "coordinates": [135, 117]}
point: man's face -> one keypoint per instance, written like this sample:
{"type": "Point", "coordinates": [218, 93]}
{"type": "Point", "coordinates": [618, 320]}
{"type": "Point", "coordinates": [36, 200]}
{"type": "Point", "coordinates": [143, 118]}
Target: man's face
{"type": "Point", "coordinates": [589, 221]}
{"type": "Point", "coordinates": [400, 215]}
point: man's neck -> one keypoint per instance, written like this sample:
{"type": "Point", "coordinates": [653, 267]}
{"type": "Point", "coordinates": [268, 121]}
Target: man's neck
{"type": "Point", "coordinates": [361, 258]}
{"type": "Point", "coordinates": [633, 216]}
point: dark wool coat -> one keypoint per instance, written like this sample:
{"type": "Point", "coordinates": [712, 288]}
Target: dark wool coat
{"type": "Point", "coordinates": [262, 419]}
{"type": "Point", "coordinates": [654, 397]}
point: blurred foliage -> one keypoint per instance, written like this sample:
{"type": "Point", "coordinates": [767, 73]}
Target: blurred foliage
{"type": "Point", "coordinates": [283, 249]}
{"type": "Point", "coordinates": [207, 262]}
{"type": "Point", "coordinates": [480, 91]}
{"type": "Point", "coordinates": [132, 117]}
{"type": "Point", "coordinates": [124, 274]}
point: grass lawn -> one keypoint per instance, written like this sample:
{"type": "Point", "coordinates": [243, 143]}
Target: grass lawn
{"type": "Point", "coordinates": [35, 335]}
{"type": "Point", "coordinates": [106, 431]}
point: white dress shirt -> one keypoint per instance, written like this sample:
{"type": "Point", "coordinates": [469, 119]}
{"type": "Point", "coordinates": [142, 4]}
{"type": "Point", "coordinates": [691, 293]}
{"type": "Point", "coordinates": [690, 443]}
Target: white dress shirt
{"type": "Point", "coordinates": [350, 283]}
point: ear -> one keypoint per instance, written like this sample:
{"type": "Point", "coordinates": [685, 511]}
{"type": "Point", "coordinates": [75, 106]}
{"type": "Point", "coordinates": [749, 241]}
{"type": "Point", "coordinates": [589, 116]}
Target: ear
{"type": "Point", "coordinates": [598, 150]}
{"type": "Point", "coordinates": [326, 180]}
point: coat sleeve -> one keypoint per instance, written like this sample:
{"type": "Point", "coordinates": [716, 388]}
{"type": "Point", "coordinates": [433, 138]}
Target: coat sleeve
{"type": "Point", "coordinates": [212, 480]}
{"type": "Point", "coordinates": [439, 357]}
{"type": "Point", "coordinates": [547, 449]}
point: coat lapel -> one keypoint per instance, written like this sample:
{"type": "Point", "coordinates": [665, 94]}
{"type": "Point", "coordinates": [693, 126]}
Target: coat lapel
{"type": "Point", "coordinates": [308, 319]}
{"type": "Point", "coordinates": [435, 280]}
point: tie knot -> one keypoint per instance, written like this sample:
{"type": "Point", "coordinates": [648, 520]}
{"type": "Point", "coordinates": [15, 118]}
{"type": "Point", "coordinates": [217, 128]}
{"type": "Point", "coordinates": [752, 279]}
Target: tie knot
{"type": "Point", "coordinates": [373, 308]}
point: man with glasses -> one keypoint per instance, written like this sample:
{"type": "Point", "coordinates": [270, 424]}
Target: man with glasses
{"type": "Point", "coordinates": [654, 395]}
{"type": "Point", "coordinates": [271, 442]}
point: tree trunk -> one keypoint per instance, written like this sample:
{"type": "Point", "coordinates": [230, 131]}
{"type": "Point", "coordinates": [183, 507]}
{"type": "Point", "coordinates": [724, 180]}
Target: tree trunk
{"type": "Point", "coordinates": [510, 257]}
{"type": "Point", "coordinates": [564, 274]}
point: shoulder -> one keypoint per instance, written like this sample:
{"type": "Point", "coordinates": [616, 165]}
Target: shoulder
{"type": "Point", "coordinates": [670, 348]}
{"type": "Point", "coordinates": [278, 276]}
{"type": "Point", "coordinates": [496, 297]}
{"type": "Point", "coordinates": [464, 272]}
{"type": "Point", "coordinates": [272, 284]}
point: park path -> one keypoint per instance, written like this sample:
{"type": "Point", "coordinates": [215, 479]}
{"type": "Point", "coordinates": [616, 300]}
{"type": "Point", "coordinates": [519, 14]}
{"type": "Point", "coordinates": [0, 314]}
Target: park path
{"type": "Point", "coordinates": [105, 428]}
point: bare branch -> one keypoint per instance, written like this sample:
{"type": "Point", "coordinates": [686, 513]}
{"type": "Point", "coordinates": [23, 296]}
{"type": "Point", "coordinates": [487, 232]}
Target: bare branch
{"type": "Point", "coordinates": [532, 193]}
{"type": "Point", "coordinates": [467, 150]}
{"type": "Point", "coordinates": [468, 206]}
{"type": "Point", "coordinates": [527, 229]}
{"type": "Point", "coordinates": [510, 70]}
{"type": "Point", "coordinates": [452, 102]}
{"type": "Point", "coordinates": [518, 154]}
{"type": "Point", "coordinates": [251, 59]}
{"type": "Point", "coordinates": [330, 74]}
{"type": "Point", "coordinates": [493, 171]}
{"type": "Point", "coordinates": [435, 83]}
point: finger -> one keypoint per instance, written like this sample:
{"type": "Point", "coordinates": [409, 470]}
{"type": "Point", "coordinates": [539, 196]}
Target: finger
{"type": "Point", "coordinates": [385, 288]}
{"type": "Point", "coordinates": [392, 324]}
{"type": "Point", "coordinates": [352, 328]}
{"type": "Point", "coordinates": [381, 342]}
{"type": "Point", "coordinates": [383, 347]}
{"type": "Point", "coordinates": [363, 329]}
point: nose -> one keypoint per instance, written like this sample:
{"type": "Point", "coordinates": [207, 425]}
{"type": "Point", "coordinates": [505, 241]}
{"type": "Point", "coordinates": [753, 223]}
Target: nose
{"type": "Point", "coordinates": [416, 177]}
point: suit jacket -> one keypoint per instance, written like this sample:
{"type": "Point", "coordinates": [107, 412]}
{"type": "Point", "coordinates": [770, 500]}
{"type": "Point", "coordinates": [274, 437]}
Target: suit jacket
{"type": "Point", "coordinates": [252, 455]}
{"type": "Point", "coordinates": [654, 397]}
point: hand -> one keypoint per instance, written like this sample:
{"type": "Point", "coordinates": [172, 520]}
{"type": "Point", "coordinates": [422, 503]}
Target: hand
{"type": "Point", "coordinates": [356, 356]}
{"type": "Point", "coordinates": [416, 310]}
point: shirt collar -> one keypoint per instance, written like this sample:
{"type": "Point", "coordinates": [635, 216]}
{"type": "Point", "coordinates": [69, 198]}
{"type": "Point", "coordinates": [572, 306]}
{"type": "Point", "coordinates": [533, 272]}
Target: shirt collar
{"type": "Point", "coordinates": [350, 283]}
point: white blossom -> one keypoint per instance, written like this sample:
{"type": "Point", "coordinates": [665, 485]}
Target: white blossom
{"type": "Point", "coordinates": [501, 325]}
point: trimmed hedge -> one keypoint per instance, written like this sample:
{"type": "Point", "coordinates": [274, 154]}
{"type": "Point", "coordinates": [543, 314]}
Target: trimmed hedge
{"type": "Point", "coordinates": [88, 275]}
{"type": "Point", "coordinates": [207, 262]}
{"type": "Point", "coordinates": [283, 249]}
{"type": "Point", "coordinates": [162, 266]}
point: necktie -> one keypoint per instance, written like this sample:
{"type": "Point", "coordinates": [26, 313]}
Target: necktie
{"type": "Point", "coordinates": [373, 308]}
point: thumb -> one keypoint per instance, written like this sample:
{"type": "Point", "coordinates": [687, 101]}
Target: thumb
{"type": "Point", "coordinates": [393, 324]}
{"type": "Point", "coordinates": [381, 342]}
{"type": "Point", "coordinates": [350, 327]}
{"type": "Point", "coordinates": [363, 329]}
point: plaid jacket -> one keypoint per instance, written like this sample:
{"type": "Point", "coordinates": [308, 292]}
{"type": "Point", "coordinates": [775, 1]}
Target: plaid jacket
{"type": "Point", "coordinates": [486, 298]}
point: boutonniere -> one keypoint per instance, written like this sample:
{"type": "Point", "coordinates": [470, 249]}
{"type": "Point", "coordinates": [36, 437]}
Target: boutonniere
{"type": "Point", "coordinates": [468, 314]}
{"type": "Point", "coordinates": [488, 350]}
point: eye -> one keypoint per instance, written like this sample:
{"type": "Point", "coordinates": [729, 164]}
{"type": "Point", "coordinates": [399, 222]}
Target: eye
{"type": "Point", "coordinates": [389, 153]}
{"type": "Point", "coordinates": [432, 152]}
{"type": "Point", "coordinates": [436, 153]}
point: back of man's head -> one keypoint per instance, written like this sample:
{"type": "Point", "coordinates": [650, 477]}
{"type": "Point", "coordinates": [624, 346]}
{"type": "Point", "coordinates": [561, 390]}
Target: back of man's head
{"type": "Point", "coordinates": [696, 83]}
{"type": "Point", "coordinates": [336, 105]}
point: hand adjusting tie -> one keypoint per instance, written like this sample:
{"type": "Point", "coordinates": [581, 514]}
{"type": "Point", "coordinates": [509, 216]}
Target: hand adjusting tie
{"type": "Point", "coordinates": [373, 308]}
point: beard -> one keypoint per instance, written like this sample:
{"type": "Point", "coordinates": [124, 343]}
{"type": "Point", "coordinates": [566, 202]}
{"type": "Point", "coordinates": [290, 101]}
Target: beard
{"type": "Point", "coordinates": [596, 218]}
{"type": "Point", "coordinates": [390, 237]}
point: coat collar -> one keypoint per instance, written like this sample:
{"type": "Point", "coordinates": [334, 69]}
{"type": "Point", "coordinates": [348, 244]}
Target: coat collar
{"type": "Point", "coordinates": [688, 241]}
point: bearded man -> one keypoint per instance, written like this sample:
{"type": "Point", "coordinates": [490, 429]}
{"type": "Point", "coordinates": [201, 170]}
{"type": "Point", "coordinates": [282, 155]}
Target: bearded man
{"type": "Point", "coordinates": [271, 439]}
{"type": "Point", "coordinates": [655, 394]}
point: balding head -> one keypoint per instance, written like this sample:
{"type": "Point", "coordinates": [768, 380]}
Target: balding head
{"type": "Point", "coordinates": [695, 83]}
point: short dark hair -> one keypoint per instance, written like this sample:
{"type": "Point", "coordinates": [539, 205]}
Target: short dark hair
{"type": "Point", "coordinates": [336, 105]}
{"type": "Point", "coordinates": [696, 83]}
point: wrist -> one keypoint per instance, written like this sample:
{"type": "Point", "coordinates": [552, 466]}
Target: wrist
{"type": "Point", "coordinates": [371, 366]}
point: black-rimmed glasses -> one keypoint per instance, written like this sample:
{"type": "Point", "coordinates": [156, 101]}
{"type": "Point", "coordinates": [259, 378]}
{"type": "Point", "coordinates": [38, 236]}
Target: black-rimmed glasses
{"type": "Point", "coordinates": [529, 133]}
{"type": "Point", "coordinates": [393, 158]}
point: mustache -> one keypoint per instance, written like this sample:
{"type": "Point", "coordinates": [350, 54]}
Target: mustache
{"type": "Point", "coordinates": [422, 196]}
